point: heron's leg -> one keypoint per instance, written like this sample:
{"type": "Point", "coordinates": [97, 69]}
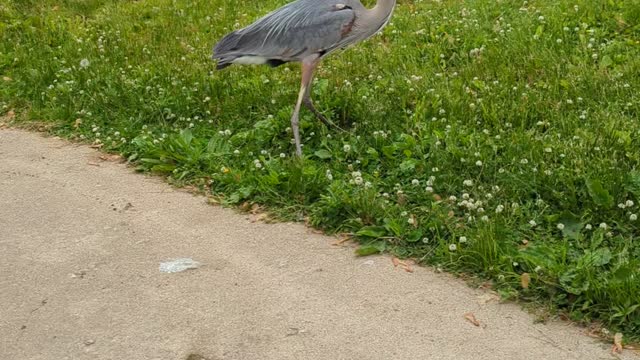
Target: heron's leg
{"type": "Point", "coordinates": [306, 100]}
{"type": "Point", "coordinates": [308, 66]}
{"type": "Point", "coordinates": [307, 73]}
{"type": "Point", "coordinates": [294, 120]}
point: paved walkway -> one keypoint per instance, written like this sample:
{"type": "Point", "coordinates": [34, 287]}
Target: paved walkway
{"type": "Point", "coordinates": [81, 241]}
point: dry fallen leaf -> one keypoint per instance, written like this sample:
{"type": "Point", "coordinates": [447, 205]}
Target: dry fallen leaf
{"type": "Point", "coordinates": [11, 114]}
{"type": "Point", "coordinates": [96, 146]}
{"type": "Point", "coordinates": [93, 163]}
{"type": "Point", "coordinates": [344, 239]}
{"type": "Point", "coordinates": [260, 217]}
{"type": "Point", "coordinates": [255, 208]}
{"type": "Point", "coordinates": [472, 319]}
{"type": "Point", "coordinates": [617, 344]}
{"type": "Point", "coordinates": [77, 123]}
{"type": "Point", "coordinates": [525, 279]}
{"type": "Point", "coordinates": [406, 267]}
{"type": "Point", "coordinates": [110, 157]}
{"type": "Point", "coordinates": [6, 78]}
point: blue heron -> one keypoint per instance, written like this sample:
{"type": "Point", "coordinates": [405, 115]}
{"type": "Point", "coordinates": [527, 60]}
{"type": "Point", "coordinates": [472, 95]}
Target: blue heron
{"type": "Point", "coordinates": [303, 31]}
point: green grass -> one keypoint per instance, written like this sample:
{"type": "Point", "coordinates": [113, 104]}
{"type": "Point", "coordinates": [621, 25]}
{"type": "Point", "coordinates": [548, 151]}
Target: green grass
{"type": "Point", "coordinates": [489, 137]}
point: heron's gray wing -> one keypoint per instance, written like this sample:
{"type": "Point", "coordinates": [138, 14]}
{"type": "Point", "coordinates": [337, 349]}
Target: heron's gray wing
{"type": "Point", "coordinates": [292, 32]}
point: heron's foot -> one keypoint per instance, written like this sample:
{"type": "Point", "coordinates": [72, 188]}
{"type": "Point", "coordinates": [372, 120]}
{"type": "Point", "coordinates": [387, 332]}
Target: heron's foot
{"type": "Point", "coordinates": [309, 105]}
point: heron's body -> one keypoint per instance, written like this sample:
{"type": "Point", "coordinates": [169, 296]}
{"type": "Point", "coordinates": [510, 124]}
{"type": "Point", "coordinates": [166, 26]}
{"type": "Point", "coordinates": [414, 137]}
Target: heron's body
{"type": "Point", "coordinates": [302, 31]}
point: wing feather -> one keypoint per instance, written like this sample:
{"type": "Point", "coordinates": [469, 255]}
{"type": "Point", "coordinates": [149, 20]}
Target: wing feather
{"type": "Point", "coordinates": [299, 28]}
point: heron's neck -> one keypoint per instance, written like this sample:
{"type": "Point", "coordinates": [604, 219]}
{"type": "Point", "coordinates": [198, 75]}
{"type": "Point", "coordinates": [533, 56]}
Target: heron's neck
{"type": "Point", "coordinates": [380, 14]}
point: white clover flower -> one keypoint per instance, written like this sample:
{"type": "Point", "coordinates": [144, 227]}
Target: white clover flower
{"type": "Point", "coordinates": [258, 165]}
{"type": "Point", "coordinates": [537, 269]}
{"type": "Point", "coordinates": [452, 198]}
{"type": "Point", "coordinates": [478, 163]}
{"type": "Point", "coordinates": [603, 226]}
{"type": "Point", "coordinates": [467, 183]}
{"type": "Point", "coordinates": [358, 180]}
{"type": "Point", "coordinates": [465, 196]}
{"type": "Point", "coordinates": [629, 203]}
{"type": "Point", "coordinates": [588, 227]}
{"type": "Point", "coordinates": [633, 217]}
{"type": "Point", "coordinates": [429, 189]}
{"type": "Point", "coordinates": [236, 151]}
{"type": "Point", "coordinates": [524, 161]}
{"type": "Point", "coordinates": [453, 247]}
{"type": "Point", "coordinates": [463, 239]}
{"type": "Point", "coordinates": [368, 184]}
{"type": "Point", "coordinates": [346, 148]}
{"type": "Point", "coordinates": [499, 209]}
{"type": "Point", "coordinates": [532, 223]}
{"type": "Point", "coordinates": [485, 218]}
{"type": "Point", "coordinates": [515, 264]}
{"type": "Point", "coordinates": [411, 221]}
{"type": "Point", "coordinates": [560, 226]}
{"type": "Point", "coordinates": [386, 195]}
{"type": "Point", "coordinates": [283, 155]}
{"type": "Point", "coordinates": [84, 63]}
{"type": "Point", "coordinates": [415, 182]}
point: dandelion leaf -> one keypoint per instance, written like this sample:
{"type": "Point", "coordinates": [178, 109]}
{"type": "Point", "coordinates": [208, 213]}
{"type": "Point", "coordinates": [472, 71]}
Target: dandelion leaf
{"type": "Point", "coordinates": [371, 249]}
{"type": "Point", "coordinates": [323, 154]}
{"type": "Point", "coordinates": [372, 232]}
{"type": "Point", "coordinates": [572, 225]}
{"type": "Point", "coordinates": [598, 193]}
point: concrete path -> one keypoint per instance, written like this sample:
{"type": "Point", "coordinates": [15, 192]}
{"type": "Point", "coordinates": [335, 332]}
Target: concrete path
{"type": "Point", "coordinates": [81, 241]}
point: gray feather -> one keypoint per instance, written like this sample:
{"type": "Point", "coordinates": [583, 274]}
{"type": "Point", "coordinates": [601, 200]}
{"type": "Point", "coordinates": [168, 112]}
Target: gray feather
{"type": "Point", "coordinates": [292, 32]}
